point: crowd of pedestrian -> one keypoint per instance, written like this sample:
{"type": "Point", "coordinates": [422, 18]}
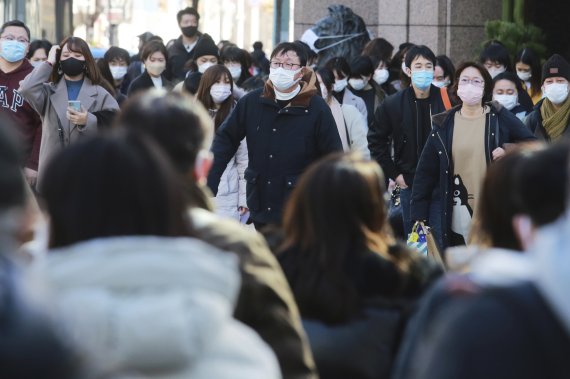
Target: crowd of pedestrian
{"type": "Point", "coordinates": [199, 210]}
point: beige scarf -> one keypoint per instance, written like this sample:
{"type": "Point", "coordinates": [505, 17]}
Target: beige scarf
{"type": "Point", "coordinates": [555, 120]}
{"type": "Point", "coordinates": [336, 110]}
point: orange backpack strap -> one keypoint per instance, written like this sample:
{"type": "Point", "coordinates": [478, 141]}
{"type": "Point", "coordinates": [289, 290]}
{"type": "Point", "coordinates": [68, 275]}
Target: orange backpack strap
{"type": "Point", "coordinates": [445, 98]}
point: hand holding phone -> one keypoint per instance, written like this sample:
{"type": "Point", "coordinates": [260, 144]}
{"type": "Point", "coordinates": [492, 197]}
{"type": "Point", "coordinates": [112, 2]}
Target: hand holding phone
{"type": "Point", "coordinates": [75, 105]}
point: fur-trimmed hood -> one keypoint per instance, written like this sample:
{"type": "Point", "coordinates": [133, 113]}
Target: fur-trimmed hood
{"type": "Point", "coordinates": [308, 89]}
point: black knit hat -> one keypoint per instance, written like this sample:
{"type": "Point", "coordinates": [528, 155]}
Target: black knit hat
{"type": "Point", "coordinates": [556, 66]}
{"type": "Point", "coordinates": [205, 46]}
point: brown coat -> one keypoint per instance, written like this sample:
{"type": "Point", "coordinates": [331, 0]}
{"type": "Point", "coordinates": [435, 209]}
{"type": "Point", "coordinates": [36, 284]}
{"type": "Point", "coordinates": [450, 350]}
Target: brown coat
{"type": "Point", "coordinates": [265, 302]}
{"type": "Point", "coordinates": [50, 101]}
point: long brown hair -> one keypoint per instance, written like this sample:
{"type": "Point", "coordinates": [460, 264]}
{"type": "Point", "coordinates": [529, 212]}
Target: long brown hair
{"type": "Point", "coordinates": [209, 78]}
{"type": "Point", "coordinates": [337, 210]}
{"type": "Point", "coordinates": [77, 45]}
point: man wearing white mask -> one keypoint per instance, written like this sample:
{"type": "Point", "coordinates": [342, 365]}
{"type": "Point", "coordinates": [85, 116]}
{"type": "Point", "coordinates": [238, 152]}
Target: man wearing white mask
{"type": "Point", "coordinates": [14, 44]}
{"type": "Point", "coordinates": [287, 126]}
{"type": "Point", "coordinates": [551, 116]}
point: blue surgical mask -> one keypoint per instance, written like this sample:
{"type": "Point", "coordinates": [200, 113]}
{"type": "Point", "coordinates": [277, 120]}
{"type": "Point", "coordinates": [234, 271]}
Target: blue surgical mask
{"type": "Point", "coordinates": [422, 79]}
{"type": "Point", "coordinates": [13, 51]}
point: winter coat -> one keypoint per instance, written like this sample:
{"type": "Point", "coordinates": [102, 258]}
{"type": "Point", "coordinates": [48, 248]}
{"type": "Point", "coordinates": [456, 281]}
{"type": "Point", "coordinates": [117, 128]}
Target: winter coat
{"type": "Point", "coordinates": [144, 82]}
{"type": "Point", "coordinates": [265, 302]}
{"type": "Point", "coordinates": [396, 125]}
{"type": "Point", "coordinates": [534, 122]}
{"type": "Point", "coordinates": [50, 101]}
{"type": "Point", "coordinates": [231, 190]}
{"type": "Point", "coordinates": [357, 130]}
{"type": "Point", "coordinates": [27, 121]}
{"type": "Point", "coordinates": [161, 307]}
{"type": "Point", "coordinates": [350, 98]}
{"type": "Point", "coordinates": [435, 167]}
{"type": "Point", "coordinates": [177, 58]}
{"type": "Point", "coordinates": [281, 143]}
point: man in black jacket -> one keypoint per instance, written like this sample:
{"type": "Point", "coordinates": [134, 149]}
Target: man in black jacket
{"type": "Point", "coordinates": [287, 126]}
{"type": "Point", "coordinates": [180, 51]}
{"type": "Point", "coordinates": [404, 122]}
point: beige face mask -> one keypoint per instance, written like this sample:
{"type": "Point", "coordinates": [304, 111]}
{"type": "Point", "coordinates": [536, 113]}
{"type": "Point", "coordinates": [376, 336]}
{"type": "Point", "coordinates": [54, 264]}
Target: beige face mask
{"type": "Point", "coordinates": [155, 68]}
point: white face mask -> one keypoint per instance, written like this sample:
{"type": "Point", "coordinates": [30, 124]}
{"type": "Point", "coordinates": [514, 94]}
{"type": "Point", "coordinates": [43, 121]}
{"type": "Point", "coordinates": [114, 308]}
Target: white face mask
{"type": "Point", "coordinates": [220, 92]}
{"type": "Point", "coordinates": [340, 85]}
{"type": "Point", "coordinates": [557, 93]}
{"type": "Point", "coordinates": [442, 84]}
{"type": "Point", "coordinates": [204, 66]}
{"type": "Point", "coordinates": [381, 76]}
{"type": "Point", "coordinates": [235, 71]}
{"type": "Point", "coordinates": [524, 75]}
{"type": "Point", "coordinates": [155, 68]}
{"type": "Point", "coordinates": [283, 79]}
{"type": "Point", "coordinates": [507, 101]}
{"type": "Point", "coordinates": [496, 71]}
{"type": "Point", "coordinates": [118, 72]}
{"type": "Point", "coordinates": [358, 84]}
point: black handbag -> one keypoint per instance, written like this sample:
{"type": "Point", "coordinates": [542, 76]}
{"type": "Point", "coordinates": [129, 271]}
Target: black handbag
{"type": "Point", "coordinates": [395, 214]}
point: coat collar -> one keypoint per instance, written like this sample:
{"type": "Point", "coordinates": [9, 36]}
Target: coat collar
{"type": "Point", "coordinates": [308, 89]}
{"type": "Point", "coordinates": [87, 96]}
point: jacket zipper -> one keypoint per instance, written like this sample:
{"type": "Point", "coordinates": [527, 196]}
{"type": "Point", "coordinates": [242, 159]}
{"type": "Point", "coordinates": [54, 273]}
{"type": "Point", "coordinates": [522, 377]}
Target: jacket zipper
{"type": "Point", "coordinates": [444, 149]}
{"type": "Point", "coordinates": [489, 154]}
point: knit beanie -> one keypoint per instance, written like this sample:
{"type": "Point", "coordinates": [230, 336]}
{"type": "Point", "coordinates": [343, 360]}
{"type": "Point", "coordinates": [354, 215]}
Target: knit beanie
{"type": "Point", "coordinates": [556, 66]}
{"type": "Point", "coordinates": [205, 46]}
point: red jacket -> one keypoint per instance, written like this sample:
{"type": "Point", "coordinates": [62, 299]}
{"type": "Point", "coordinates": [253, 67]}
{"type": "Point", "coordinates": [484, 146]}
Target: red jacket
{"type": "Point", "coordinates": [27, 120]}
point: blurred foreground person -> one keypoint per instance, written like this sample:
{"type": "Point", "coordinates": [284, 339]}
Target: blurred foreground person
{"type": "Point", "coordinates": [135, 292]}
{"type": "Point", "coordinates": [352, 283]}
{"type": "Point", "coordinates": [265, 303]}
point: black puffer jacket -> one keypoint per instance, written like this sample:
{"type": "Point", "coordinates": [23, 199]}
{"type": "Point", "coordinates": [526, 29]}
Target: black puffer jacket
{"type": "Point", "coordinates": [177, 58]}
{"type": "Point", "coordinates": [534, 122]}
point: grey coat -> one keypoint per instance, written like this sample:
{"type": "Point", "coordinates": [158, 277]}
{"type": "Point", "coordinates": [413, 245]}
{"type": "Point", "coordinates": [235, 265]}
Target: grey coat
{"type": "Point", "coordinates": [50, 101]}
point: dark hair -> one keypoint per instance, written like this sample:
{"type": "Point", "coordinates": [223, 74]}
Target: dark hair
{"type": "Point", "coordinates": [285, 47]}
{"type": "Point", "coordinates": [209, 78]}
{"type": "Point", "coordinates": [38, 44]}
{"type": "Point", "coordinates": [419, 51]}
{"type": "Point", "coordinates": [11, 159]}
{"type": "Point", "coordinates": [495, 51]}
{"type": "Point", "coordinates": [446, 65]}
{"type": "Point", "coordinates": [77, 45]}
{"type": "Point", "coordinates": [395, 66]}
{"type": "Point", "coordinates": [511, 77]}
{"type": "Point", "coordinates": [308, 51]}
{"type": "Point", "coordinates": [379, 50]}
{"type": "Point", "coordinates": [257, 45]}
{"type": "Point", "coordinates": [529, 57]}
{"type": "Point", "coordinates": [107, 80]}
{"type": "Point", "coordinates": [17, 23]}
{"type": "Point", "coordinates": [327, 77]}
{"type": "Point", "coordinates": [340, 65]}
{"type": "Point", "coordinates": [235, 54]}
{"type": "Point", "coordinates": [488, 90]}
{"type": "Point", "coordinates": [180, 126]}
{"type": "Point", "coordinates": [361, 66]}
{"type": "Point", "coordinates": [187, 10]}
{"type": "Point", "coordinates": [497, 205]}
{"type": "Point", "coordinates": [113, 185]}
{"type": "Point", "coordinates": [192, 82]}
{"type": "Point", "coordinates": [116, 52]}
{"type": "Point", "coordinates": [152, 47]}
{"type": "Point", "coordinates": [326, 235]}
{"type": "Point", "coordinates": [542, 184]}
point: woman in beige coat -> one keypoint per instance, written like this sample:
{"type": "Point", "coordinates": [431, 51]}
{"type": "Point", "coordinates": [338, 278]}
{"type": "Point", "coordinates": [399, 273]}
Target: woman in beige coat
{"type": "Point", "coordinates": [65, 90]}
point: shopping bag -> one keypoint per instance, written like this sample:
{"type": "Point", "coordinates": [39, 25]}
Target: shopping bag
{"type": "Point", "coordinates": [417, 239]}
{"type": "Point", "coordinates": [434, 252]}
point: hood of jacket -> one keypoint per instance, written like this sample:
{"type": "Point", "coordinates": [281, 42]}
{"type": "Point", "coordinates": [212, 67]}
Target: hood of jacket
{"type": "Point", "coordinates": [550, 257]}
{"type": "Point", "coordinates": [143, 304]}
{"type": "Point", "coordinates": [303, 98]}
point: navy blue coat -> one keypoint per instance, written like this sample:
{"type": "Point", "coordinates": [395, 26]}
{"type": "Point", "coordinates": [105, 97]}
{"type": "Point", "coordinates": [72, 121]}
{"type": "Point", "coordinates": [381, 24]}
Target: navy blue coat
{"type": "Point", "coordinates": [281, 143]}
{"type": "Point", "coordinates": [435, 167]}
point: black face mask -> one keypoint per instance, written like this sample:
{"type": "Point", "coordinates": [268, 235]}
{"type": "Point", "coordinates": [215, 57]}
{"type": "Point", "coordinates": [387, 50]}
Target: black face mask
{"type": "Point", "coordinates": [72, 66]}
{"type": "Point", "coordinates": [189, 31]}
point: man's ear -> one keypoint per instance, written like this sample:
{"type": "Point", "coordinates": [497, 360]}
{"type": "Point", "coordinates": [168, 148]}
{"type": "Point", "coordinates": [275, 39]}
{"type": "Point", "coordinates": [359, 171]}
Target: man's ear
{"type": "Point", "coordinates": [408, 72]}
{"type": "Point", "coordinates": [524, 230]}
{"type": "Point", "coordinates": [202, 166]}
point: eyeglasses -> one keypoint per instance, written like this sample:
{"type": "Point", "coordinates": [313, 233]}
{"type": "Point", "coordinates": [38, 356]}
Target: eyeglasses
{"type": "Point", "coordinates": [476, 82]}
{"type": "Point", "coordinates": [10, 37]}
{"type": "Point", "coordinates": [286, 66]}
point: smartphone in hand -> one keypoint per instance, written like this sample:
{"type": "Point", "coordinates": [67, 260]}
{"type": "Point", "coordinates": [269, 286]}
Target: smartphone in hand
{"type": "Point", "coordinates": [75, 105]}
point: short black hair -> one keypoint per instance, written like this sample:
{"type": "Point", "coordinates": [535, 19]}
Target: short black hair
{"type": "Point", "coordinates": [17, 23]}
{"type": "Point", "coordinates": [38, 44]}
{"type": "Point", "coordinates": [257, 45]}
{"type": "Point", "coordinates": [496, 52]}
{"type": "Point", "coordinates": [446, 65]}
{"type": "Point", "coordinates": [152, 47]}
{"type": "Point", "coordinates": [115, 52]}
{"type": "Point", "coordinates": [362, 66]}
{"type": "Point", "coordinates": [340, 65]}
{"type": "Point", "coordinates": [285, 47]}
{"type": "Point", "coordinates": [310, 52]}
{"type": "Point", "coordinates": [419, 51]}
{"type": "Point", "coordinates": [511, 77]}
{"type": "Point", "coordinates": [187, 10]}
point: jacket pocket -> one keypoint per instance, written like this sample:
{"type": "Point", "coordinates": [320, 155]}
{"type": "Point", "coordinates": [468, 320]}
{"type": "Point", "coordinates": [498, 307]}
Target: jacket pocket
{"type": "Point", "coordinates": [252, 178]}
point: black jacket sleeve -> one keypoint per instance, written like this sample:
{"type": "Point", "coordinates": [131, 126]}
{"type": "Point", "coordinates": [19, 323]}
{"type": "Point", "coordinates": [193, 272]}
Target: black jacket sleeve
{"type": "Point", "coordinates": [517, 131]}
{"type": "Point", "coordinates": [380, 140]}
{"type": "Point", "coordinates": [426, 179]}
